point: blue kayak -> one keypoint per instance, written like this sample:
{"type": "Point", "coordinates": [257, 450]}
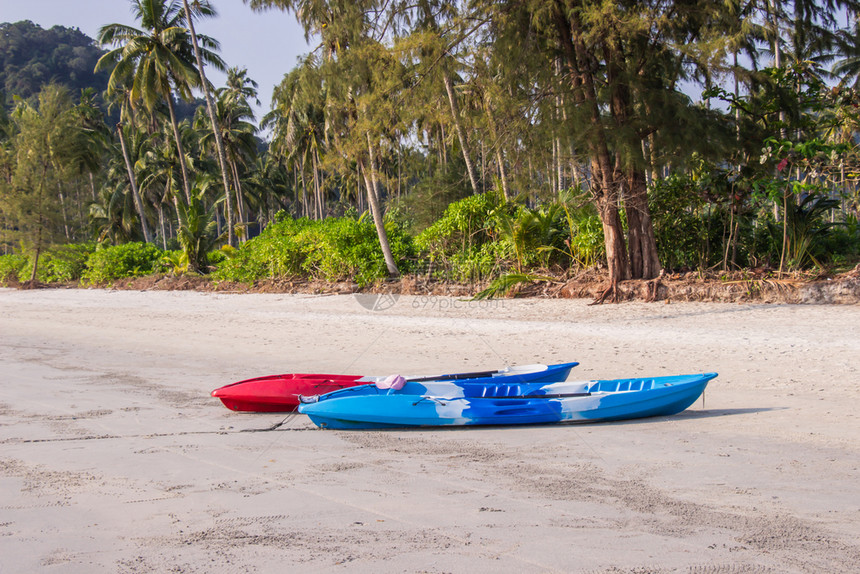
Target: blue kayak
{"type": "Point", "coordinates": [504, 403]}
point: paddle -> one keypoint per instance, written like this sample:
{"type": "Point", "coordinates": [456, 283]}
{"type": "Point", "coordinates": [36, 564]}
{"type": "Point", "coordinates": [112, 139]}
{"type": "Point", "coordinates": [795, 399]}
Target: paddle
{"type": "Point", "coordinates": [453, 377]}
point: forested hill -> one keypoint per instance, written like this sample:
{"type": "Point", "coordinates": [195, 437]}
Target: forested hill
{"type": "Point", "coordinates": [31, 57]}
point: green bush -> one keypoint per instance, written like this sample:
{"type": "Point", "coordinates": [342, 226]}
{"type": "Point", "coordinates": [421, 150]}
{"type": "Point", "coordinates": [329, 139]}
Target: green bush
{"type": "Point", "coordinates": [465, 224]}
{"type": "Point", "coordinates": [587, 245]}
{"type": "Point", "coordinates": [480, 262]}
{"type": "Point", "coordinates": [275, 253]}
{"type": "Point", "coordinates": [65, 262]}
{"type": "Point", "coordinates": [843, 243]}
{"type": "Point", "coordinates": [119, 261]}
{"type": "Point", "coordinates": [333, 249]}
{"type": "Point", "coordinates": [12, 268]}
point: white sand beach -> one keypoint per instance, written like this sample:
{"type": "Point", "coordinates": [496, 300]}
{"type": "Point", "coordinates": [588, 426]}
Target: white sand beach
{"type": "Point", "coordinates": [114, 458]}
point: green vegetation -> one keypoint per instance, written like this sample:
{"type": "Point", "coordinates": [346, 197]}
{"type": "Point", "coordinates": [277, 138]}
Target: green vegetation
{"type": "Point", "coordinates": [334, 249]}
{"type": "Point", "coordinates": [481, 141]}
{"type": "Point", "coordinates": [120, 261]}
{"type": "Point", "coordinates": [31, 58]}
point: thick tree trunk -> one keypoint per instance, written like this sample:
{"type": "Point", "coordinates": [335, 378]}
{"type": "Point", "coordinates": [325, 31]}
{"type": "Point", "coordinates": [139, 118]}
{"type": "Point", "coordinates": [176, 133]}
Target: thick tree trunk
{"type": "Point", "coordinates": [641, 244]}
{"type": "Point", "coordinates": [216, 128]}
{"type": "Point", "coordinates": [138, 202]}
{"type": "Point", "coordinates": [604, 189]}
{"type": "Point", "coordinates": [373, 199]}
{"type": "Point", "coordinates": [464, 145]}
{"type": "Point", "coordinates": [613, 239]}
{"type": "Point", "coordinates": [644, 263]}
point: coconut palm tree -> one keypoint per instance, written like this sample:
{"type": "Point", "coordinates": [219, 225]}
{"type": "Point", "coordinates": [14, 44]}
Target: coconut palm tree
{"type": "Point", "coordinates": [122, 97]}
{"type": "Point", "coordinates": [298, 124]}
{"type": "Point", "coordinates": [203, 8]}
{"type": "Point", "coordinates": [234, 117]}
{"type": "Point", "coordinates": [344, 26]}
{"type": "Point", "coordinates": [159, 60]}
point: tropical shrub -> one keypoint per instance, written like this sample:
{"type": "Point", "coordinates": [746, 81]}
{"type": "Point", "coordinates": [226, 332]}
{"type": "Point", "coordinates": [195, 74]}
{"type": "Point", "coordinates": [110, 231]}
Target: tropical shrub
{"type": "Point", "coordinates": [12, 268]}
{"type": "Point", "coordinates": [346, 248]}
{"type": "Point", "coordinates": [806, 230]}
{"type": "Point", "coordinates": [332, 249]}
{"type": "Point", "coordinates": [65, 262]}
{"type": "Point", "coordinates": [197, 235]}
{"type": "Point", "coordinates": [465, 224]}
{"type": "Point", "coordinates": [275, 253]}
{"type": "Point", "coordinates": [108, 263]}
{"type": "Point", "coordinates": [680, 221]}
{"type": "Point", "coordinates": [843, 242]}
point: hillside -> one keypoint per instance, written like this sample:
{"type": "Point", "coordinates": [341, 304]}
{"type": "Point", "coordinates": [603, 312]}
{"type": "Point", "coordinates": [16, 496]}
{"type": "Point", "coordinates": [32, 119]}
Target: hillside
{"type": "Point", "coordinates": [31, 57]}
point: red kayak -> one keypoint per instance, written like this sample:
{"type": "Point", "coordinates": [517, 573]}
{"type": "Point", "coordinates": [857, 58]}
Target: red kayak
{"type": "Point", "coordinates": [280, 393]}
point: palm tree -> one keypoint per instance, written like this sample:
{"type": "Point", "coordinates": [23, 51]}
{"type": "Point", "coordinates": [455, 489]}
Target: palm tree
{"type": "Point", "coordinates": [157, 59]}
{"type": "Point", "coordinates": [156, 168]}
{"type": "Point", "coordinates": [234, 117]}
{"type": "Point", "coordinates": [122, 97]}
{"type": "Point", "coordinates": [344, 26]}
{"type": "Point", "coordinates": [298, 125]}
{"type": "Point", "coordinates": [203, 8]}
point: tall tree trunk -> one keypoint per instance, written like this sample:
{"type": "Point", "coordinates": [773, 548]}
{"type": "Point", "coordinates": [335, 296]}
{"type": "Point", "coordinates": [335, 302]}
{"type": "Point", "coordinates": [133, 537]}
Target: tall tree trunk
{"type": "Point", "coordinates": [306, 212]}
{"type": "Point", "coordinates": [560, 165]}
{"type": "Point", "coordinates": [237, 185]}
{"type": "Point", "coordinates": [317, 191]}
{"type": "Point", "coordinates": [40, 223]}
{"type": "Point", "coordinates": [216, 128]}
{"type": "Point", "coordinates": [641, 244]}
{"type": "Point", "coordinates": [498, 147]}
{"type": "Point", "coordinates": [161, 223]}
{"type": "Point", "coordinates": [63, 210]}
{"type": "Point", "coordinates": [464, 144]}
{"type": "Point", "coordinates": [180, 150]}
{"type": "Point", "coordinates": [135, 193]}
{"type": "Point", "coordinates": [373, 199]}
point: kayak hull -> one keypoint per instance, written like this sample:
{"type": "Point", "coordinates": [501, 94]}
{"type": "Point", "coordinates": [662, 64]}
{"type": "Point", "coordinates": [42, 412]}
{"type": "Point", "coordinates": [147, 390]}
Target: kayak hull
{"type": "Point", "coordinates": [532, 403]}
{"type": "Point", "coordinates": [280, 393]}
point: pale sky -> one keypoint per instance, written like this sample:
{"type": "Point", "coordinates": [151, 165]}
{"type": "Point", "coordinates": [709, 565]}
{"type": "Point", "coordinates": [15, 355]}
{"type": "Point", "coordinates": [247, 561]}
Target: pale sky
{"type": "Point", "coordinates": [266, 43]}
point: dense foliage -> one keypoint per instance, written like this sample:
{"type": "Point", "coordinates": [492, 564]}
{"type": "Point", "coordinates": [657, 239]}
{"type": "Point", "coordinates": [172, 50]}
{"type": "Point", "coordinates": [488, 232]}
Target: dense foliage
{"type": "Point", "coordinates": [477, 139]}
{"type": "Point", "coordinates": [120, 261]}
{"type": "Point", "coordinates": [31, 57]}
{"type": "Point", "coordinates": [344, 248]}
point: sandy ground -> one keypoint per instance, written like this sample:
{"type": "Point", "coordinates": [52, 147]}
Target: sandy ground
{"type": "Point", "coordinates": [114, 458]}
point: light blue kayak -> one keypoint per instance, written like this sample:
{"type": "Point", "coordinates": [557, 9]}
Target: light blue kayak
{"type": "Point", "coordinates": [453, 404]}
